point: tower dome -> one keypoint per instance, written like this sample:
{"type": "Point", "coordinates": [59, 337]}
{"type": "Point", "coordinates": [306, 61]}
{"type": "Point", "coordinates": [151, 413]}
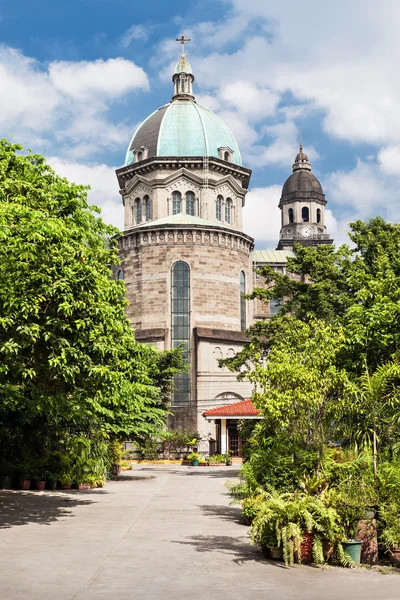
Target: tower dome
{"type": "Point", "coordinates": [302, 207]}
{"type": "Point", "coordinates": [183, 127]}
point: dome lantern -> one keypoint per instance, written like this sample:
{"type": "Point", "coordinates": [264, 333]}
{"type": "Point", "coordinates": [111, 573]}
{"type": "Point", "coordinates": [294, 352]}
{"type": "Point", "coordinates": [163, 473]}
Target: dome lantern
{"type": "Point", "coordinates": [301, 161]}
{"type": "Point", "coordinates": [183, 77]}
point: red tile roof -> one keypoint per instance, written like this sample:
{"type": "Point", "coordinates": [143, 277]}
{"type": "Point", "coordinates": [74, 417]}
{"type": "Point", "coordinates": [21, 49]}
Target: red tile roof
{"type": "Point", "coordinates": [244, 408]}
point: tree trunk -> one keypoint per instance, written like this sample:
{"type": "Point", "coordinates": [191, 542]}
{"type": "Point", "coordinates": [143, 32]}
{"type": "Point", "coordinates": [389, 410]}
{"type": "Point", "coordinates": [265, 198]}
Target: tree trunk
{"type": "Point", "coordinates": [374, 456]}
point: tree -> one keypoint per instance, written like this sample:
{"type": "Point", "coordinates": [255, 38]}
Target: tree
{"type": "Point", "coordinates": [357, 289]}
{"type": "Point", "coordinates": [378, 406]}
{"type": "Point", "coordinates": [68, 357]}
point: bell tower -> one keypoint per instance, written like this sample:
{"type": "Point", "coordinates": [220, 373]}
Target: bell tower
{"type": "Point", "coordinates": [302, 207]}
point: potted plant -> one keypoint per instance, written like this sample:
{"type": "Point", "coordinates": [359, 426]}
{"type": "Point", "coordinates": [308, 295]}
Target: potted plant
{"type": "Point", "coordinates": [66, 480]}
{"type": "Point", "coordinates": [217, 460]}
{"type": "Point", "coordinates": [194, 458]}
{"type": "Point", "coordinates": [301, 523]}
{"type": "Point", "coordinates": [390, 536]}
{"type": "Point", "coordinates": [228, 458]}
{"type": "Point", "coordinates": [25, 477]}
{"type": "Point", "coordinates": [5, 476]}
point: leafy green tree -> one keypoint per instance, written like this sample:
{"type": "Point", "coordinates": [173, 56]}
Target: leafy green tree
{"type": "Point", "coordinates": [68, 357]}
{"type": "Point", "coordinates": [355, 288]}
{"type": "Point", "coordinates": [378, 407]}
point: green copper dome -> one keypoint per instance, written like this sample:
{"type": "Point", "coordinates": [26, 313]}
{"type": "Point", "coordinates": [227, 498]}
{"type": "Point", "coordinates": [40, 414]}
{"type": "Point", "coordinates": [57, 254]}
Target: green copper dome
{"type": "Point", "coordinates": [183, 66]}
{"type": "Point", "coordinates": [183, 128]}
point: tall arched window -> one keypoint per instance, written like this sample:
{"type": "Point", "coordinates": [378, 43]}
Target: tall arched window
{"type": "Point", "coordinates": [189, 203]}
{"type": "Point", "coordinates": [176, 202]}
{"type": "Point", "coordinates": [120, 275]}
{"type": "Point", "coordinates": [180, 327]}
{"type": "Point", "coordinates": [139, 156]}
{"type": "Point", "coordinates": [243, 320]}
{"type": "Point", "coordinates": [218, 208]}
{"type": "Point", "coordinates": [228, 210]}
{"type": "Point", "coordinates": [147, 208]}
{"type": "Point", "coordinates": [291, 215]}
{"type": "Point", "coordinates": [318, 215]}
{"type": "Point", "coordinates": [305, 214]}
{"type": "Point", "coordinates": [138, 210]}
{"type": "Point", "coordinates": [226, 156]}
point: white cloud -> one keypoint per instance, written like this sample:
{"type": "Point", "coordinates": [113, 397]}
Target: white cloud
{"type": "Point", "coordinates": [136, 32]}
{"type": "Point", "coordinates": [103, 183]}
{"type": "Point", "coordinates": [262, 217]}
{"type": "Point", "coordinates": [99, 79]}
{"type": "Point", "coordinates": [66, 104]}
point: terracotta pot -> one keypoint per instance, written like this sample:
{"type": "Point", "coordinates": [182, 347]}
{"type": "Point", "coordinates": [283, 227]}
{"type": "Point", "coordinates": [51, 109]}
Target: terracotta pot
{"type": "Point", "coordinates": [24, 484]}
{"type": "Point", "coordinates": [394, 556]}
{"type": "Point", "coordinates": [66, 486]}
{"type": "Point", "coordinates": [84, 486]}
{"type": "Point", "coordinates": [40, 485]}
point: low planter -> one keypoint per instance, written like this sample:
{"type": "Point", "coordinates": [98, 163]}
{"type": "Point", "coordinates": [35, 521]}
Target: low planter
{"type": "Point", "coordinates": [24, 484]}
{"type": "Point", "coordinates": [66, 486]}
{"type": "Point", "coordinates": [52, 484]}
{"type": "Point", "coordinates": [84, 486]}
{"type": "Point", "coordinates": [40, 485]}
{"type": "Point", "coordinates": [5, 483]}
{"type": "Point", "coordinates": [394, 556]}
{"type": "Point", "coordinates": [353, 549]}
{"type": "Point", "coordinates": [272, 553]}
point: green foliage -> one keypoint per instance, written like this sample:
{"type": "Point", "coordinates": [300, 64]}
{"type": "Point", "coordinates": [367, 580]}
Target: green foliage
{"type": "Point", "coordinates": [217, 459]}
{"type": "Point", "coordinates": [286, 517]}
{"type": "Point", "coordinates": [70, 368]}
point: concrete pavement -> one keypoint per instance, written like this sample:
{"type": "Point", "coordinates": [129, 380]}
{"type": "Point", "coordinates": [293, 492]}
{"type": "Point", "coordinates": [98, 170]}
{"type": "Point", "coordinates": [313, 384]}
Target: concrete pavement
{"type": "Point", "coordinates": [158, 531]}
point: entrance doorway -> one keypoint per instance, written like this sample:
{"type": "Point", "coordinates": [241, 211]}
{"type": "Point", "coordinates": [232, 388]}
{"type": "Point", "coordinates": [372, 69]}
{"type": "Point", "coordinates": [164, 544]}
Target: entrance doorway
{"type": "Point", "coordinates": [234, 440]}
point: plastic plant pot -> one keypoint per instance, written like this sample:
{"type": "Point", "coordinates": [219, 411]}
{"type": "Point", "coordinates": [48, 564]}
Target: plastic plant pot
{"type": "Point", "coordinates": [195, 463]}
{"type": "Point", "coordinates": [353, 549]}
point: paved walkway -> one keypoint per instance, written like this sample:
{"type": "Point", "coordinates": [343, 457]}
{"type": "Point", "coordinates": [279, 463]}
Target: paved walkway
{"type": "Point", "coordinates": [158, 532]}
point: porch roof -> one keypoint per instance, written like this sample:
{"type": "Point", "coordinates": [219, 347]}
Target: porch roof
{"type": "Point", "coordinates": [242, 409]}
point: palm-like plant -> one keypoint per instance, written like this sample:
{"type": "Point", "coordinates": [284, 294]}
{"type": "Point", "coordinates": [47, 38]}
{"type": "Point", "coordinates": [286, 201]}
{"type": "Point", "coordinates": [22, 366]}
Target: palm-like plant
{"type": "Point", "coordinates": [379, 399]}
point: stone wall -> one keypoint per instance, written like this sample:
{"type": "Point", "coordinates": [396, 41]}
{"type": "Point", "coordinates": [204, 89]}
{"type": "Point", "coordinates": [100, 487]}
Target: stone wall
{"type": "Point", "coordinates": [215, 257]}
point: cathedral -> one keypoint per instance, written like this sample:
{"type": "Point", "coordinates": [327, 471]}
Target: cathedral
{"type": "Point", "coordinates": [186, 261]}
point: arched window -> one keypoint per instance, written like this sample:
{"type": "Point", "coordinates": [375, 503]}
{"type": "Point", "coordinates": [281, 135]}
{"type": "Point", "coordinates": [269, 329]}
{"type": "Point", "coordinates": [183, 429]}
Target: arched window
{"type": "Point", "coordinates": [218, 208]}
{"type": "Point", "coordinates": [305, 214]}
{"type": "Point", "coordinates": [147, 208]}
{"type": "Point", "coordinates": [189, 203]}
{"type": "Point", "coordinates": [228, 210]}
{"type": "Point", "coordinates": [120, 275]}
{"type": "Point", "coordinates": [176, 202]}
{"type": "Point", "coordinates": [139, 155]}
{"type": "Point", "coordinates": [138, 210]}
{"type": "Point", "coordinates": [318, 215]}
{"type": "Point", "coordinates": [180, 327]}
{"type": "Point", "coordinates": [243, 321]}
{"type": "Point", "coordinates": [226, 156]}
{"type": "Point", "coordinates": [291, 215]}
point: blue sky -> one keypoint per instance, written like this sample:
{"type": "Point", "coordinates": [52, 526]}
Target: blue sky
{"type": "Point", "coordinates": [78, 76]}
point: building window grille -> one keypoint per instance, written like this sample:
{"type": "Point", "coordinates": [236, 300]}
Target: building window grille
{"type": "Point", "coordinates": [228, 210]}
{"type": "Point", "coordinates": [176, 203]}
{"type": "Point", "coordinates": [147, 208]}
{"type": "Point", "coordinates": [138, 210]}
{"type": "Point", "coordinates": [305, 214]}
{"type": "Point", "coordinates": [189, 203]}
{"type": "Point", "coordinates": [218, 208]}
{"type": "Point", "coordinates": [180, 327]}
{"type": "Point", "coordinates": [291, 215]}
{"type": "Point", "coordinates": [243, 321]}
{"type": "Point", "coordinates": [318, 215]}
